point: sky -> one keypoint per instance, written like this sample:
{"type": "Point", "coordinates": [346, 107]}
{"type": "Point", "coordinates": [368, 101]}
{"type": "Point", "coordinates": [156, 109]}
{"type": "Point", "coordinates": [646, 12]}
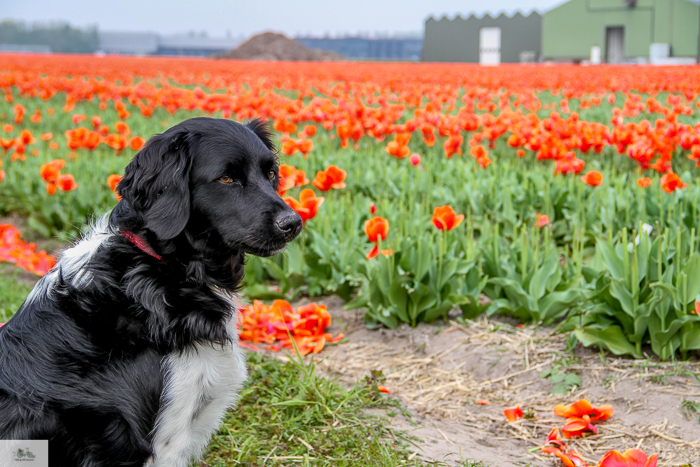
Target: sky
{"type": "Point", "coordinates": [246, 17]}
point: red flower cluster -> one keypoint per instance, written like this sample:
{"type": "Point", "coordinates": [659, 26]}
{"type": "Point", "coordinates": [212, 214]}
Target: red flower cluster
{"type": "Point", "coordinates": [82, 137]}
{"type": "Point", "coordinates": [24, 255]}
{"type": "Point", "coordinates": [51, 173]}
{"type": "Point", "coordinates": [277, 324]}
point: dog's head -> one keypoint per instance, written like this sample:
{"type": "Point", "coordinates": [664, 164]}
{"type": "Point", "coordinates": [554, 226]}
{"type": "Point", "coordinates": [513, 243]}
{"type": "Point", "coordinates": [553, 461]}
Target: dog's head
{"type": "Point", "coordinates": [214, 180]}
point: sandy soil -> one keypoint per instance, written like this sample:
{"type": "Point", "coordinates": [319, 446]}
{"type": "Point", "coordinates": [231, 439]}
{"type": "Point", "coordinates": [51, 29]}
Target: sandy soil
{"type": "Point", "coordinates": [440, 371]}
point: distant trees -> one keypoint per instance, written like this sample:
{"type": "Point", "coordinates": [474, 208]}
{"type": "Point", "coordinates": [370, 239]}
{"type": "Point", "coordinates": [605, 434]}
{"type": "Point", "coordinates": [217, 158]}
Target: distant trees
{"type": "Point", "coordinates": [60, 37]}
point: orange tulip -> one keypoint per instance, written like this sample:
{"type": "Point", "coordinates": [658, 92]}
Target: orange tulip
{"type": "Point", "coordinates": [672, 182]}
{"type": "Point", "coordinates": [571, 458]}
{"type": "Point", "coordinates": [644, 182]}
{"type": "Point", "coordinates": [51, 170]}
{"type": "Point", "coordinates": [513, 413]}
{"type": "Point", "coordinates": [122, 128]}
{"type": "Point", "coordinates": [332, 177]}
{"type": "Point", "coordinates": [46, 136]}
{"type": "Point", "coordinates": [376, 228]}
{"type": "Point", "coordinates": [541, 220]}
{"type": "Point", "coordinates": [593, 178]}
{"type": "Point", "coordinates": [484, 161]}
{"type": "Point", "coordinates": [113, 180]}
{"type": "Point", "coordinates": [630, 458]}
{"type": "Point", "coordinates": [307, 206]}
{"type": "Point", "coordinates": [136, 143]}
{"type": "Point", "coordinates": [583, 407]}
{"type": "Point", "coordinates": [66, 182]}
{"type": "Point", "coordinates": [7, 144]}
{"type": "Point", "coordinates": [309, 130]}
{"type": "Point", "coordinates": [578, 427]}
{"type": "Point", "coordinates": [290, 177]}
{"type": "Point", "coordinates": [554, 438]}
{"type": "Point", "coordinates": [25, 137]}
{"type": "Point", "coordinates": [445, 218]}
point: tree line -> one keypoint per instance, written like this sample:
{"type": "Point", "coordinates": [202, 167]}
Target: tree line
{"type": "Point", "coordinates": [60, 37]}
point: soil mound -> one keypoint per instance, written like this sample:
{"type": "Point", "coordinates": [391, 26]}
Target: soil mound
{"type": "Point", "coordinates": [272, 46]}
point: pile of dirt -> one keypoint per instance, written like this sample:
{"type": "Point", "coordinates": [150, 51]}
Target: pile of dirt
{"type": "Point", "coordinates": [272, 46]}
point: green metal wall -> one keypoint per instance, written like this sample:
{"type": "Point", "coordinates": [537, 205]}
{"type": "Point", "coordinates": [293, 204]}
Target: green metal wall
{"type": "Point", "coordinates": [571, 29]}
{"type": "Point", "coordinates": [457, 40]}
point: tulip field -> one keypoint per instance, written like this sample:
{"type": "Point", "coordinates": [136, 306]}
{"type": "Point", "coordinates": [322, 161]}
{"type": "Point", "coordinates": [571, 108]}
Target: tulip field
{"type": "Point", "coordinates": [561, 195]}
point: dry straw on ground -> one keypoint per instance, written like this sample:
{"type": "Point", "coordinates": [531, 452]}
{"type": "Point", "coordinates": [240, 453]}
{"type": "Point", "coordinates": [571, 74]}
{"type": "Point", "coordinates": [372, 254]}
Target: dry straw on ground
{"type": "Point", "coordinates": [439, 376]}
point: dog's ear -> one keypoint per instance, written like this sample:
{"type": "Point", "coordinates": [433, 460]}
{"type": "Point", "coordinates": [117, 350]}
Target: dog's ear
{"type": "Point", "coordinates": [262, 131]}
{"type": "Point", "coordinates": [156, 184]}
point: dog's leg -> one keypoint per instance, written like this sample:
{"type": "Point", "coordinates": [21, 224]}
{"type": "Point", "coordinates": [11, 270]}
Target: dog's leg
{"type": "Point", "coordinates": [200, 384]}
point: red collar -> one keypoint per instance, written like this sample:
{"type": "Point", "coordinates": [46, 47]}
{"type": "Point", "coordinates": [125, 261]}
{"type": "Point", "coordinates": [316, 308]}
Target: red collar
{"type": "Point", "coordinates": [140, 243]}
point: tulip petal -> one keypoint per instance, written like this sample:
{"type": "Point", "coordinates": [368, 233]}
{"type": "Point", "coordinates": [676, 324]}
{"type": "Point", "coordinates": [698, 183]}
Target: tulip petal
{"type": "Point", "coordinates": [513, 413]}
{"type": "Point", "coordinates": [613, 459]}
{"type": "Point", "coordinates": [577, 409]}
{"type": "Point", "coordinates": [635, 457]}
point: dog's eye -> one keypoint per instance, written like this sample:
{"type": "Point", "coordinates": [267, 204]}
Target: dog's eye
{"type": "Point", "coordinates": [226, 179]}
{"type": "Point", "coordinates": [271, 175]}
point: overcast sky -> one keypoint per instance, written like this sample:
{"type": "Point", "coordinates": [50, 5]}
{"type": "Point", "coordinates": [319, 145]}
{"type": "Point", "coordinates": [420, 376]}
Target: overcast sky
{"type": "Point", "coordinates": [245, 17]}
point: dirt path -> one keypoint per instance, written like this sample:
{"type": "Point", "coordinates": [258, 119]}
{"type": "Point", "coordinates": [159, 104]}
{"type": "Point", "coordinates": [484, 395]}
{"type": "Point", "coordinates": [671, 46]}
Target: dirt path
{"type": "Point", "coordinates": [440, 372]}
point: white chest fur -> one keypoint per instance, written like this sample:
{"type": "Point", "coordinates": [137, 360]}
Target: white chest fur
{"type": "Point", "coordinates": [200, 384]}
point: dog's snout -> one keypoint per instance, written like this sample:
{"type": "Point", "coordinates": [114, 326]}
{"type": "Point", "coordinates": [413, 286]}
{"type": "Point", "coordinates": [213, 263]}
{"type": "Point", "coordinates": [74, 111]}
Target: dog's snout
{"type": "Point", "coordinates": [289, 224]}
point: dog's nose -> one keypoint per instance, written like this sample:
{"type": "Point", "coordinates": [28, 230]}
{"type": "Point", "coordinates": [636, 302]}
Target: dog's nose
{"type": "Point", "coordinates": [289, 223]}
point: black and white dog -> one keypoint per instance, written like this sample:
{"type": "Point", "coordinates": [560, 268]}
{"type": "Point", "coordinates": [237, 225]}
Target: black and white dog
{"type": "Point", "coordinates": [126, 353]}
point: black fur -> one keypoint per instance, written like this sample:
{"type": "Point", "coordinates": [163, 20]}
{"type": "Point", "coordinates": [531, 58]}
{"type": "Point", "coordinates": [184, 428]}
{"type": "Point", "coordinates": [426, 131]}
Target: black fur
{"type": "Point", "coordinates": [80, 362]}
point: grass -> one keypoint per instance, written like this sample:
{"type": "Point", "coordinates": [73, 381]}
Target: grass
{"type": "Point", "coordinates": [12, 291]}
{"type": "Point", "coordinates": [289, 415]}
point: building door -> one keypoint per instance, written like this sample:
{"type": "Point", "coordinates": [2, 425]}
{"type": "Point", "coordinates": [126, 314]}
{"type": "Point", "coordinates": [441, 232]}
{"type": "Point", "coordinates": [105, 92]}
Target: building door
{"type": "Point", "coordinates": [615, 40]}
{"type": "Point", "coordinates": [490, 46]}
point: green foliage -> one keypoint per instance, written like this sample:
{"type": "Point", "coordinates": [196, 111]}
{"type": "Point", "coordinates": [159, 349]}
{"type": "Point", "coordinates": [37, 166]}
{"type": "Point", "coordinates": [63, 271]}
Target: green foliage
{"type": "Point", "coordinates": [690, 409]}
{"type": "Point", "coordinates": [644, 293]}
{"type": "Point", "coordinates": [409, 286]}
{"type": "Point", "coordinates": [533, 287]}
{"type": "Point", "coordinates": [563, 382]}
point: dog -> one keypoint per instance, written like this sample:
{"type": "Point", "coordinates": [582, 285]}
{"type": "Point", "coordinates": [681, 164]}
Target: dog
{"type": "Point", "coordinates": [126, 352]}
